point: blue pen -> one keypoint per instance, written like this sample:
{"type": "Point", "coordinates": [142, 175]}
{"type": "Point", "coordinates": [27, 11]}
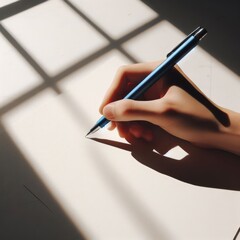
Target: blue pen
{"type": "Point", "coordinates": [172, 58]}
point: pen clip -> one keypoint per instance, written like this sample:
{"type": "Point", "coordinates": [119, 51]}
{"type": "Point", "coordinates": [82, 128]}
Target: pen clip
{"type": "Point", "coordinates": [191, 34]}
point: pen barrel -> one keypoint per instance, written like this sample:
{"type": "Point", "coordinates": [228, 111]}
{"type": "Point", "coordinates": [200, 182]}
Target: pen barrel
{"type": "Point", "coordinates": [101, 122]}
{"type": "Point", "coordinates": [163, 68]}
{"type": "Point", "coordinates": [172, 58]}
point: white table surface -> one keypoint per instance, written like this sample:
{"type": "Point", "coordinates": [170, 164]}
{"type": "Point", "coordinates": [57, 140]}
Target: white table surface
{"type": "Point", "coordinates": [103, 189]}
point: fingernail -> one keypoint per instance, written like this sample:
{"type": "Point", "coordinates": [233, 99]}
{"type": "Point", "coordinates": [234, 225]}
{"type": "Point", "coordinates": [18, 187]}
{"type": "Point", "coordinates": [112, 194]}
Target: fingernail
{"type": "Point", "coordinates": [108, 111]}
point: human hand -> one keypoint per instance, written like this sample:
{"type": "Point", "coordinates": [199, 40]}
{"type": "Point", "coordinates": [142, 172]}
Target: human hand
{"type": "Point", "coordinates": [174, 103]}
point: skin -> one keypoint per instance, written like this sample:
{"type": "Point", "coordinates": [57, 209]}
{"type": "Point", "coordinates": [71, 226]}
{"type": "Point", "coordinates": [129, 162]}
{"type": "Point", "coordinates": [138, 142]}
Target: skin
{"type": "Point", "coordinates": [174, 104]}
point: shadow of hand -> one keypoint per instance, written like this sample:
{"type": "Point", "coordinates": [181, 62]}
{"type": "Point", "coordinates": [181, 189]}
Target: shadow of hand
{"type": "Point", "coordinates": [202, 167]}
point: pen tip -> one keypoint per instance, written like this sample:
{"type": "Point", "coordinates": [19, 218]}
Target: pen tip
{"type": "Point", "coordinates": [93, 130]}
{"type": "Point", "coordinates": [87, 135]}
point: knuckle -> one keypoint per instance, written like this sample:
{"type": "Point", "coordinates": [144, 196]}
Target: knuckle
{"type": "Point", "coordinates": [172, 90]}
{"type": "Point", "coordinates": [122, 69]}
{"type": "Point", "coordinates": [166, 106]}
{"type": "Point", "coordinates": [170, 101]}
{"type": "Point", "coordinates": [121, 74]}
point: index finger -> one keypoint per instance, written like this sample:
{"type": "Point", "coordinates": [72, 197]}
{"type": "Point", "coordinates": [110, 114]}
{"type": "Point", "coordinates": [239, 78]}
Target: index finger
{"type": "Point", "coordinates": [125, 79]}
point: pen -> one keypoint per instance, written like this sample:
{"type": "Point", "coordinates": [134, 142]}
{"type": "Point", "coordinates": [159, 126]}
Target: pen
{"type": "Point", "coordinates": [172, 58]}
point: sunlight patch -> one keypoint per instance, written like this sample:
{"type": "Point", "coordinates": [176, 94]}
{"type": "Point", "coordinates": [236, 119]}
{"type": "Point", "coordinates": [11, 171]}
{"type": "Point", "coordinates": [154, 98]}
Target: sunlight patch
{"type": "Point", "coordinates": [176, 153]}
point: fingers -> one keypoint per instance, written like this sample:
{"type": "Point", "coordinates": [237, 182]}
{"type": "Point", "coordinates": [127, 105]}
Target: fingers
{"type": "Point", "coordinates": [139, 130]}
{"type": "Point", "coordinates": [126, 78]}
{"type": "Point", "coordinates": [130, 110]}
{"type": "Point", "coordinates": [111, 126]}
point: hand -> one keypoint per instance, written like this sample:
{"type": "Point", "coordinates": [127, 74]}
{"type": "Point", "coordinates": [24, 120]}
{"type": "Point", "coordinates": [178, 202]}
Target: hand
{"type": "Point", "coordinates": [174, 103]}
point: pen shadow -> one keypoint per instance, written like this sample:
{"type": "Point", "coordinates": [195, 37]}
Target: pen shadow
{"type": "Point", "coordinates": [201, 167]}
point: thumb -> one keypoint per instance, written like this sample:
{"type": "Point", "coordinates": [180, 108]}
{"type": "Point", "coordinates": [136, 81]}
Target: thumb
{"type": "Point", "coordinates": [132, 110]}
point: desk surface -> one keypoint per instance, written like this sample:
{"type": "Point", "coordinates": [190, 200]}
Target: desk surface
{"type": "Point", "coordinates": [58, 58]}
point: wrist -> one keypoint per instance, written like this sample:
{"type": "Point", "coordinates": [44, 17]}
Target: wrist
{"type": "Point", "coordinates": [229, 137]}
